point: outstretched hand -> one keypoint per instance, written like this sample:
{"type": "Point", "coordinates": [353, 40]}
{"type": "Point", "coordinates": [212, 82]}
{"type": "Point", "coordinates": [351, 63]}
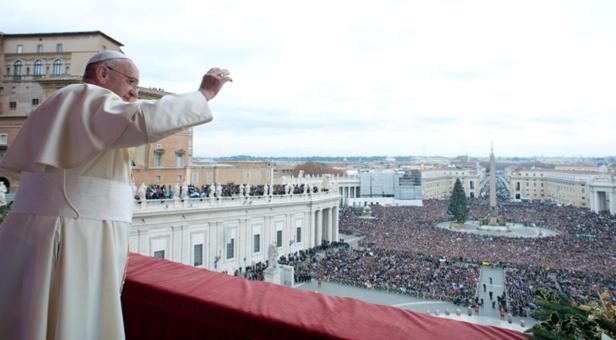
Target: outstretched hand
{"type": "Point", "coordinates": [213, 81]}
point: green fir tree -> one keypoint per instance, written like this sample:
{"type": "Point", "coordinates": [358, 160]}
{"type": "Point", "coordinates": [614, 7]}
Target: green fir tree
{"type": "Point", "coordinates": [458, 206]}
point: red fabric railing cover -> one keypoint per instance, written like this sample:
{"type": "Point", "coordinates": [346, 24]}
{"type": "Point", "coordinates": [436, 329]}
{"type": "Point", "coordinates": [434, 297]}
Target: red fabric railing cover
{"type": "Point", "coordinates": [167, 300]}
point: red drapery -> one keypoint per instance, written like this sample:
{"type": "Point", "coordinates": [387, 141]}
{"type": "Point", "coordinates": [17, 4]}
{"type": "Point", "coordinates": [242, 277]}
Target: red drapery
{"type": "Point", "coordinates": [167, 300]}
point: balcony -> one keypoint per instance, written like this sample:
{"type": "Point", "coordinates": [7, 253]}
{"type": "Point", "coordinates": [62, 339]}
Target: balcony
{"type": "Point", "coordinates": [166, 300]}
{"type": "Point", "coordinates": [159, 205]}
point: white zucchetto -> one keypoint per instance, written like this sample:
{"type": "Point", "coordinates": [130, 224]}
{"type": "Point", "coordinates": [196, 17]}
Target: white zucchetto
{"type": "Point", "coordinates": [106, 55]}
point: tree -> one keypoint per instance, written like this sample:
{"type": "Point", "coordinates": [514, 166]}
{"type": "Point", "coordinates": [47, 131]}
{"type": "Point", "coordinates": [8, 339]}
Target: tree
{"type": "Point", "coordinates": [458, 207]}
{"type": "Point", "coordinates": [562, 319]}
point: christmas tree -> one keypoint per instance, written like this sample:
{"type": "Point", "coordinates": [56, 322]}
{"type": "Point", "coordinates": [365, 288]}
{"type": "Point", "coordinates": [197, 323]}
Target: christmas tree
{"type": "Point", "coordinates": [458, 207]}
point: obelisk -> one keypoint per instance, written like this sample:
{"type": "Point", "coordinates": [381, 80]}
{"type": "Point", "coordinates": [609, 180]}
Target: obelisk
{"type": "Point", "coordinates": [492, 179]}
{"type": "Point", "coordinates": [495, 221]}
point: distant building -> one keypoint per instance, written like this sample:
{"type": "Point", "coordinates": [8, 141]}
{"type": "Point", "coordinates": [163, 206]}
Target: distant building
{"type": "Point", "coordinates": [35, 65]}
{"type": "Point", "coordinates": [438, 183]}
{"type": "Point", "coordinates": [411, 185]}
{"type": "Point", "coordinates": [253, 173]}
{"type": "Point", "coordinates": [400, 185]}
{"type": "Point", "coordinates": [583, 187]}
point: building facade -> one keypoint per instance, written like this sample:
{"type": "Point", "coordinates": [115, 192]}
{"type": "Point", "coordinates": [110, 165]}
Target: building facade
{"type": "Point", "coordinates": [253, 173]}
{"type": "Point", "coordinates": [411, 185]}
{"type": "Point", "coordinates": [589, 187]}
{"type": "Point", "coordinates": [226, 233]}
{"type": "Point", "coordinates": [36, 65]}
{"type": "Point", "coordinates": [438, 183]}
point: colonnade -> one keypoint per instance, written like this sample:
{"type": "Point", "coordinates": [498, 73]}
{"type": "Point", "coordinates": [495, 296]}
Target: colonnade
{"type": "Point", "coordinates": [348, 191]}
{"type": "Point", "coordinates": [603, 198]}
{"type": "Point", "coordinates": [325, 225]}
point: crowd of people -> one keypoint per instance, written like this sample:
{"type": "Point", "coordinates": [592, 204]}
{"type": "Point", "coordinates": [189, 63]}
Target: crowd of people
{"type": "Point", "coordinates": [165, 191]}
{"type": "Point", "coordinates": [254, 272]}
{"type": "Point", "coordinates": [580, 261]}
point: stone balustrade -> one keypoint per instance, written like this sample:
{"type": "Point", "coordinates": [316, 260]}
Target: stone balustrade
{"type": "Point", "coordinates": [155, 205]}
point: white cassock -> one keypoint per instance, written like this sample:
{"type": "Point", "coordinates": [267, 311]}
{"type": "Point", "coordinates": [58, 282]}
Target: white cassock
{"type": "Point", "coordinates": [63, 248]}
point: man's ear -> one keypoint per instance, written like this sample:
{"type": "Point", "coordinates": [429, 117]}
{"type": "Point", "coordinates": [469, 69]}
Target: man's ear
{"type": "Point", "coordinates": [102, 74]}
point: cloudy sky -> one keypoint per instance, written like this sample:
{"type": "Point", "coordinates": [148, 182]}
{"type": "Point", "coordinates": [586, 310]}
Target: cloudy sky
{"type": "Point", "coordinates": [372, 77]}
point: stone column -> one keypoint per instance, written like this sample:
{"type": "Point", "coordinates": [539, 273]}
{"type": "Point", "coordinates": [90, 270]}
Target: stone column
{"type": "Point", "coordinates": [613, 202]}
{"type": "Point", "coordinates": [243, 243]}
{"type": "Point", "coordinates": [288, 234]}
{"type": "Point", "coordinates": [335, 236]}
{"type": "Point", "coordinates": [594, 200]}
{"type": "Point", "coordinates": [327, 224]}
{"type": "Point", "coordinates": [307, 231]}
{"type": "Point", "coordinates": [143, 243]}
{"type": "Point", "coordinates": [176, 244]}
{"type": "Point", "coordinates": [319, 227]}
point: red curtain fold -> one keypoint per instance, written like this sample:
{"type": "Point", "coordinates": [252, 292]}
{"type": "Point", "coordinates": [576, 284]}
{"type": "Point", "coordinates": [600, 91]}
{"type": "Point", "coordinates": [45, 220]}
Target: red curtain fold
{"type": "Point", "coordinates": [167, 300]}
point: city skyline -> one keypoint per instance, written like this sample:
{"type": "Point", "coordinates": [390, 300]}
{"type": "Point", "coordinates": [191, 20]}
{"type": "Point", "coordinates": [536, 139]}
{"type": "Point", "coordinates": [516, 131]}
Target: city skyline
{"type": "Point", "coordinates": [393, 79]}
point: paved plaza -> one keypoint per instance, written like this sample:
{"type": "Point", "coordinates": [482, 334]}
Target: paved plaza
{"type": "Point", "coordinates": [513, 230]}
{"type": "Point", "coordinates": [486, 316]}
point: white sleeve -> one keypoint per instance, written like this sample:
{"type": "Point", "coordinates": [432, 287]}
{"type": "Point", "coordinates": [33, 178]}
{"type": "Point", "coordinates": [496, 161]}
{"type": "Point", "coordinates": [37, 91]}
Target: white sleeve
{"type": "Point", "coordinates": [151, 120]}
{"type": "Point", "coordinates": [81, 120]}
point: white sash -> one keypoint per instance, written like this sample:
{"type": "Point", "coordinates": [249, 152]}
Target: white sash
{"type": "Point", "coordinates": [62, 194]}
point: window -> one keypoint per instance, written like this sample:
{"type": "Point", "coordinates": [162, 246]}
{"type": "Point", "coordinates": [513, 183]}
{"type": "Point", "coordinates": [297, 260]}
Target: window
{"type": "Point", "coordinates": [59, 48]}
{"type": "Point", "coordinates": [179, 160]}
{"type": "Point", "coordinates": [39, 48]}
{"type": "Point", "coordinates": [157, 179]}
{"type": "Point", "coordinates": [159, 254]}
{"type": "Point", "coordinates": [17, 68]}
{"type": "Point", "coordinates": [230, 243]}
{"type": "Point", "coordinates": [198, 255]}
{"type": "Point", "coordinates": [35, 101]}
{"type": "Point", "coordinates": [4, 139]}
{"type": "Point", "coordinates": [178, 178]}
{"type": "Point", "coordinates": [57, 67]}
{"type": "Point", "coordinates": [158, 158]}
{"type": "Point", "coordinates": [256, 238]}
{"type": "Point", "coordinates": [20, 48]}
{"type": "Point", "coordinates": [12, 105]}
{"type": "Point", "coordinates": [256, 243]}
{"type": "Point", "coordinates": [279, 238]}
{"type": "Point", "coordinates": [38, 68]}
{"type": "Point", "coordinates": [298, 236]}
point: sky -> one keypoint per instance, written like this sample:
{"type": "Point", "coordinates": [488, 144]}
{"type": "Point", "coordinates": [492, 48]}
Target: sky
{"type": "Point", "coordinates": [355, 78]}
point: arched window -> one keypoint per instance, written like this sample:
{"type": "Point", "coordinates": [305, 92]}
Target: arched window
{"type": "Point", "coordinates": [38, 68]}
{"type": "Point", "coordinates": [17, 68]}
{"type": "Point", "coordinates": [57, 67]}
